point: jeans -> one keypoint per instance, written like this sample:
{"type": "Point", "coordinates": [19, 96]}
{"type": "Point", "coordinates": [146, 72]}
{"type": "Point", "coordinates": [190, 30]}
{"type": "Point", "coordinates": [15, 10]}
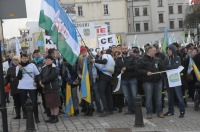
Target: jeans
{"type": "Point", "coordinates": [178, 92]}
{"type": "Point", "coordinates": [33, 97]}
{"type": "Point", "coordinates": [105, 93]}
{"type": "Point", "coordinates": [129, 88]}
{"type": "Point", "coordinates": [153, 91]}
{"type": "Point", "coordinates": [96, 96]}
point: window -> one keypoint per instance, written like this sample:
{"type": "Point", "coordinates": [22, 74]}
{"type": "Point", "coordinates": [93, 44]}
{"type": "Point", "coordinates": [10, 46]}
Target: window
{"type": "Point", "coordinates": [180, 11]}
{"type": "Point", "coordinates": [137, 12]}
{"type": "Point", "coordinates": [108, 24]}
{"type": "Point", "coordinates": [129, 14]}
{"type": "Point", "coordinates": [171, 24]}
{"type": "Point", "coordinates": [161, 18]}
{"type": "Point", "coordinates": [145, 11]}
{"type": "Point", "coordinates": [80, 11]}
{"type": "Point", "coordinates": [146, 26]}
{"type": "Point", "coordinates": [171, 10]}
{"type": "Point", "coordinates": [160, 3]}
{"type": "Point", "coordinates": [137, 27]}
{"type": "Point", "coordinates": [105, 7]}
{"type": "Point", "coordinates": [180, 23]}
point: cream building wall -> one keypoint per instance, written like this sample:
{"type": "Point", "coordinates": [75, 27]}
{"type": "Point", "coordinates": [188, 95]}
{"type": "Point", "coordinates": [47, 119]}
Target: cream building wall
{"type": "Point", "coordinates": [93, 11]}
{"type": "Point", "coordinates": [156, 29]}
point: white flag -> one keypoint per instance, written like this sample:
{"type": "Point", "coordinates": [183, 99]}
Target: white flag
{"type": "Point", "coordinates": [173, 76]}
{"type": "Point", "coordinates": [119, 83]}
{"type": "Point", "coordinates": [18, 47]}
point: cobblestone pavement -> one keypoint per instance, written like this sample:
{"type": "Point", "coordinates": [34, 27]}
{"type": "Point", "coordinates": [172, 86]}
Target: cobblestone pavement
{"type": "Point", "coordinates": [118, 122]}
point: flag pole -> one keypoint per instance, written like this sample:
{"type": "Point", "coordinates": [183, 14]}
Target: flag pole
{"type": "Point", "coordinates": [2, 90]}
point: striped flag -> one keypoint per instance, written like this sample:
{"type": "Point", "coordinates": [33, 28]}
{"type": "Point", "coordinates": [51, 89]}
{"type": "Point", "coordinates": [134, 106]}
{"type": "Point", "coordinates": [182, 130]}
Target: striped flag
{"type": "Point", "coordinates": [173, 39]}
{"type": "Point", "coordinates": [165, 42]}
{"type": "Point", "coordinates": [181, 38]}
{"type": "Point", "coordinates": [189, 39]}
{"type": "Point", "coordinates": [85, 83]}
{"type": "Point", "coordinates": [69, 109]}
{"type": "Point", "coordinates": [190, 68]}
{"type": "Point", "coordinates": [62, 30]}
{"type": "Point", "coordinates": [17, 46]}
{"type": "Point", "coordinates": [40, 42]}
{"type": "Point", "coordinates": [196, 70]}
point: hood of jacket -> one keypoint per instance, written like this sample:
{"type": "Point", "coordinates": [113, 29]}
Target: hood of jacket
{"type": "Point", "coordinates": [173, 48]}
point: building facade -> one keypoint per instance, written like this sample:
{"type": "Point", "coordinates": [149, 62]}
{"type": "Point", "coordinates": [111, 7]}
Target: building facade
{"type": "Point", "coordinates": [109, 12]}
{"type": "Point", "coordinates": [148, 18]}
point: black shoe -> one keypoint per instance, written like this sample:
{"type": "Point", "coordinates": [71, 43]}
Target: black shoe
{"type": "Point", "coordinates": [76, 112]}
{"type": "Point", "coordinates": [104, 114]}
{"type": "Point", "coordinates": [55, 120]}
{"type": "Point", "coordinates": [24, 116]}
{"type": "Point", "coordinates": [50, 119]}
{"type": "Point", "coordinates": [99, 111]}
{"type": "Point", "coordinates": [37, 120]}
{"type": "Point", "coordinates": [120, 110]}
{"type": "Point", "coordinates": [17, 117]}
{"type": "Point", "coordinates": [114, 109]}
{"type": "Point", "coordinates": [182, 114]}
{"type": "Point", "coordinates": [110, 112]}
{"type": "Point", "coordinates": [168, 114]}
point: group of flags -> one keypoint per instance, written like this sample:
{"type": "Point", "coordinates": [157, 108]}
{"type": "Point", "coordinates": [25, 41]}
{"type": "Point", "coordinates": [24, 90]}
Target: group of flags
{"type": "Point", "coordinates": [63, 33]}
{"type": "Point", "coordinates": [192, 67]}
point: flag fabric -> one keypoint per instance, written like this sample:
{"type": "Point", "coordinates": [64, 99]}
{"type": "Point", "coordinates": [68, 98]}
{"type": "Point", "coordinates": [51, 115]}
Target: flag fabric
{"type": "Point", "coordinates": [40, 42]}
{"type": "Point", "coordinates": [136, 43]}
{"type": "Point", "coordinates": [173, 76]}
{"type": "Point", "coordinates": [189, 39]}
{"type": "Point", "coordinates": [190, 67]}
{"type": "Point", "coordinates": [85, 83]}
{"type": "Point", "coordinates": [196, 70]}
{"type": "Point", "coordinates": [165, 42]}
{"type": "Point", "coordinates": [62, 30]}
{"type": "Point", "coordinates": [18, 46]}
{"type": "Point", "coordinates": [2, 47]}
{"type": "Point", "coordinates": [181, 38]}
{"type": "Point", "coordinates": [69, 109]}
{"type": "Point", "coordinates": [118, 83]}
{"type": "Point", "coordinates": [173, 39]}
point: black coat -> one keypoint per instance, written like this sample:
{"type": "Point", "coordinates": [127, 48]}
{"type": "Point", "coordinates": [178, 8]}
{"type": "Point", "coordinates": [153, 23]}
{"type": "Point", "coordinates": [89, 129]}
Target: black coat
{"type": "Point", "coordinates": [49, 77]}
{"type": "Point", "coordinates": [130, 64]}
{"type": "Point", "coordinates": [12, 79]}
{"type": "Point", "coordinates": [149, 64]}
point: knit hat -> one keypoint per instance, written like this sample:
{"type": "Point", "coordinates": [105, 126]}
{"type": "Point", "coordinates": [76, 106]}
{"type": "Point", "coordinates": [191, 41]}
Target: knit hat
{"type": "Point", "coordinates": [82, 49]}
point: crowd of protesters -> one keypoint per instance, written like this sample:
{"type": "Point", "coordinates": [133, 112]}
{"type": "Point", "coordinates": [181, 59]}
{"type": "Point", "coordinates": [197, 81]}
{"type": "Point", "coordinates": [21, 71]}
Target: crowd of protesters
{"type": "Point", "coordinates": [47, 74]}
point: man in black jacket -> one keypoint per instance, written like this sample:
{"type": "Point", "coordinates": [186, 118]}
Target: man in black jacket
{"type": "Point", "coordinates": [152, 83]}
{"type": "Point", "coordinates": [126, 65]}
{"type": "Point", "coordinates": [172, 62]}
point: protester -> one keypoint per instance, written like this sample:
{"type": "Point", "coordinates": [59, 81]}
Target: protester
{"type": "Point", "coordinates": [27, 73]}
{"type": "Point", "coordinates": [152, 83]}
{"type": "Point", "coordinates": [126, 65]}
{"type": "Point", "coordinates": [49, 82]}
{"type": "Point", "coordinates": [172, 62]}
{"type": "Point", "coordinates": [12, 79]}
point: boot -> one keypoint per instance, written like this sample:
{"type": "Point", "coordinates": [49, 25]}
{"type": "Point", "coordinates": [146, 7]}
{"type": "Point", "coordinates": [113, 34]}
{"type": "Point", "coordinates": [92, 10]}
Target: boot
{"type": "Point", "coordinates": [55, 120]}
{"type": "Point", "coordinates": [17, 111]}
{"type": "Point", "coordinates": [50, 119]}
{"type": "Point", "coordinates": [37, 119]}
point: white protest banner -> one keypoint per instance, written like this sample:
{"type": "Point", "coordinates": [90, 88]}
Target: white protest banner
{"type": "Point", "coordinates": [102, 30]}
{"type": "Point", "coordinates": [107, 41]}
{"type": "Point", "coordinates": [119, 83]}
{"type": "Point", "coordinates": [173, 76]}
{"type": "Point", "coordinates": [86, 30]}
{"type": "Point", "coordinates": [48, 43]}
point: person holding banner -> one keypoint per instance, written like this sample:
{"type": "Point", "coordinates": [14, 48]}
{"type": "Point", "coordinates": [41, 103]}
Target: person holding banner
{"type": "Point", "coordinates": [152, 83]}
{"type": "Point", "coordinates": [126, 65]}
{"type": "Point", "coordinates": [173, 62]}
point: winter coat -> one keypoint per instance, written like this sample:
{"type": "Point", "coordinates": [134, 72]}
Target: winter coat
{"type": "Point", "coordinates": [49, 77]}
{"type": "Point", "coordinates": [149, 64]}
{"type": "Point", "coordinates": [130, 64]}
{"type": "Point", "coordinates": [13, 80]}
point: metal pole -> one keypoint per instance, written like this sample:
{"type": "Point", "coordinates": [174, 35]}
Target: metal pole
{"type": "Point", "coordinates": [3, 95]}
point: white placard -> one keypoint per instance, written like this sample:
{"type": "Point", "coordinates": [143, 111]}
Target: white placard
{"type": "Point", "coordinates": [107, 41]}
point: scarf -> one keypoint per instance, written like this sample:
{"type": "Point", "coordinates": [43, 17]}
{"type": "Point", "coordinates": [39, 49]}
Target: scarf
{"type": "Point", "coordinates": [24, 64]}
{"type": "Point", "coordinates": [38, 60]}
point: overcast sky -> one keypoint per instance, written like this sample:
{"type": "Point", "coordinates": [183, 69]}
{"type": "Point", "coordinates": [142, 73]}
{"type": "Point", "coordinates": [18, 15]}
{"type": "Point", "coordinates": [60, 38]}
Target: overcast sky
{"type": "Point", "coordinates": [11, 26]}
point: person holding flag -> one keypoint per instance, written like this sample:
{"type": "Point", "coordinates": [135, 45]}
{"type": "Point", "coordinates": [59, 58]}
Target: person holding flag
{"type": "Point", "coordinates": [172, 62]}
